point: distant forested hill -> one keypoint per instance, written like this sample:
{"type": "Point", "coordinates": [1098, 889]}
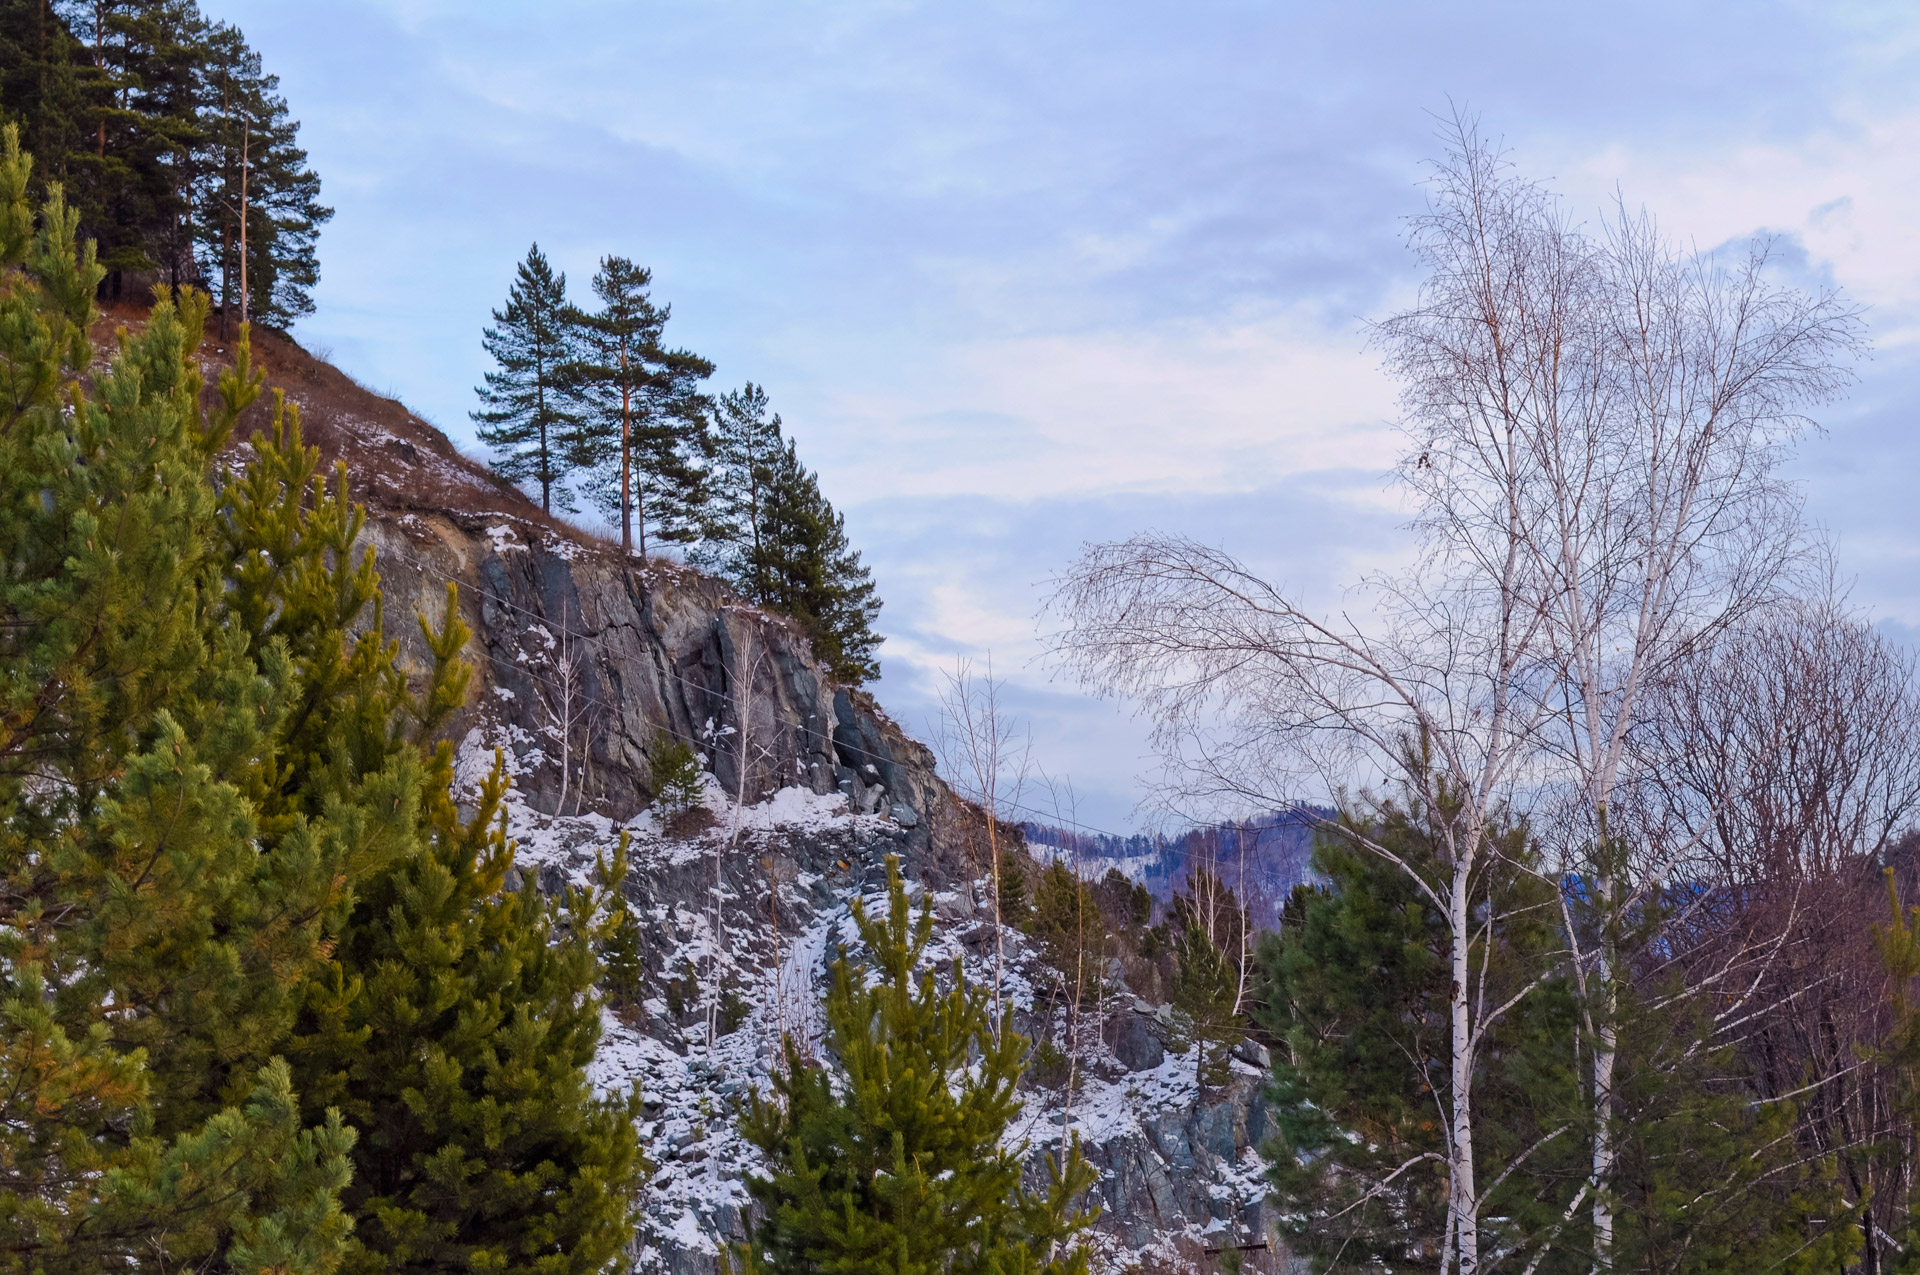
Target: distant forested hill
{"type": "Point", "coordinates": [1262, 858]}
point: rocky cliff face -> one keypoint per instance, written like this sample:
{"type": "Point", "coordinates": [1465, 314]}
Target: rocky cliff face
{"type": "Point", "coordinates": [585, 663]}
{"type": "Point", "coordinates": [810, 788]}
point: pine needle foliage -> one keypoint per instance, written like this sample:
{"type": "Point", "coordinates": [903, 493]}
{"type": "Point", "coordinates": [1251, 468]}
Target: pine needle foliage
{"type": "Point", "coordinates": [220, 790]}
{"type": "Point", "coordinates": [642, 431]}
{"type": "Point", "coordinates": [1899, 943]}
{"type": "Point", "coordinates": [898, 1164]}
{"type": "Point", "coordinates": [1071, 930]}
{"type": "Point", "coordinates": [1354, 989]}
{"type": "Point", "coordinates": [151, 926]}
{"type": "Point", "coordinates": [674, 774]}
{"type": "Point", "coordinates": [526, 416]}
{"type": "Point", "coordinates": [166, 133]}
{"type": "Point", "coordinates": [453, 1028]}
{"type": "Point", "coordinates": [747, 444]}
{"type": "Point", "coordinates": [1209, 933]}
{"type": "Point", "coordinates": [777, 538]}
{"type": "Point", "coordinates": [813, 573]}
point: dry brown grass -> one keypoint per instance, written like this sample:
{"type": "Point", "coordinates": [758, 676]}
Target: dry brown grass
{"type": "Point", "coordinates": [398, 462]}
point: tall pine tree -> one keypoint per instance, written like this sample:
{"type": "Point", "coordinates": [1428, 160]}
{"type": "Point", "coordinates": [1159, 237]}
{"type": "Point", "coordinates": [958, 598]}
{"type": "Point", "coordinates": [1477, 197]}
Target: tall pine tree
{"type": "Point", "coordinates": [747, 446]}
{"type": "Point", "coordinates": [642, 430]}
{"type": "Point", "coordinates": [527, 418]}
{"type": "Point", "coordinates": [150, 923]}
{"type": "Point", "coordinates": [904, 1168]}
{"type": "Point", "coordinates": [250, 168]}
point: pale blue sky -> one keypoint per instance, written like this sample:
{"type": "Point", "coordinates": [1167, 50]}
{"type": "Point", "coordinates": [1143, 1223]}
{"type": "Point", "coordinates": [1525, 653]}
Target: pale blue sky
{"type": "Point", "coordinates": [1019, 275]}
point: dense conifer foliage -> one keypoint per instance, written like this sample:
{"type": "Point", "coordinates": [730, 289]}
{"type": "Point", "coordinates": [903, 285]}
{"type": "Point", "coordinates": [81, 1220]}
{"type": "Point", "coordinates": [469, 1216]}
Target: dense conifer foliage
{"type": "Point", "coordinates": [156, 916]}
{"type": "Point", "coordinates": [526, 416]}
{"type": "Point", "coordinates": [810, 570]}
{"type": "Point", "coordinates": [781, 542]}
{"type": "Point", "coordinates": [641, 412]}
{"type": "Point", "coordinates": [1354, 988]}
{"type": "Point", "coordinates": [904, 1168]}
{"type": "Point", "coordinates": [595, 399]}
{"type": "Point", "coordinates": [174, 146]}
{"type": "Point", "coordinates": [230, 866]}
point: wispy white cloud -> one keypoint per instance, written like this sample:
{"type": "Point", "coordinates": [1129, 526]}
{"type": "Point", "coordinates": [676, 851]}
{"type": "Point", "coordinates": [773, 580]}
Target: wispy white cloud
{"type": "Point", "coordinates": [1020, 275]}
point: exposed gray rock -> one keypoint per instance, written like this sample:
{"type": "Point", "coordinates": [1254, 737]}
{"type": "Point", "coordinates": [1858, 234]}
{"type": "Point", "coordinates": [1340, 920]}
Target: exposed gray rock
{"type": "Point", "coordinates": [1135, 1040]}
{"type": "Point", "coordinates": [658, 648]}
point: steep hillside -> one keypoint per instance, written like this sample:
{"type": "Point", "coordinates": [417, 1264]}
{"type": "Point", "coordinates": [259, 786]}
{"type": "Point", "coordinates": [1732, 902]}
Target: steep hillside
{"type": "Point", "coordinates": [586, 663]}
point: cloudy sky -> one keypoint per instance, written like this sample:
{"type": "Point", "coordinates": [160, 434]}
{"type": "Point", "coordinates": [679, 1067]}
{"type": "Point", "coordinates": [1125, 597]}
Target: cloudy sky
{"type": "Point", "coordinates": [1023, 275]}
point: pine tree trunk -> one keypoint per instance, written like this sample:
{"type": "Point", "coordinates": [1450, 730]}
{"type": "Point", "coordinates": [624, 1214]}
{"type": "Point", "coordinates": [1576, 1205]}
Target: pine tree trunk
{"type": "Point", "coordinates": [626, 454]}
{"type": "Point", "coordinates": [540, 406]}
{"type": "Point", "coordinates": [246, 139]}
{"type": "Point", "coordinates": [226, 205]}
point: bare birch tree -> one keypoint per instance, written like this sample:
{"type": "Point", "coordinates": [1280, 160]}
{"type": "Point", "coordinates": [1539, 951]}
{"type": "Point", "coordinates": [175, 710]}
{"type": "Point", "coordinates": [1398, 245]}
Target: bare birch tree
{"type": "Point", "coordinates": [748, 659]}
{"type": "Point", "coordinates": [570, 715]}
{"type": "Point", "coordinates": [1594, 428]}
{"type": "Point", "coordinates": [987, 757]}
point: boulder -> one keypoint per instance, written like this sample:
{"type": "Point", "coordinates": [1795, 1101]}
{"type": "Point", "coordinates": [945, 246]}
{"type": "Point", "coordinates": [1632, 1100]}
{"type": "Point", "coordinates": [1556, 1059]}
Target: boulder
{"type": "Point", "coordinates": [1135, 1041]}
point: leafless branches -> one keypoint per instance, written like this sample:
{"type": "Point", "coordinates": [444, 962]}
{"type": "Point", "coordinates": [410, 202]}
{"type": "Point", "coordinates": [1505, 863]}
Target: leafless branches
{"type": "Point", "coordinates": [987, 758]}
{"type": "Point", "coordinates": [1595, 426]}
{"type": "Point", "coordinates": [571, 717]}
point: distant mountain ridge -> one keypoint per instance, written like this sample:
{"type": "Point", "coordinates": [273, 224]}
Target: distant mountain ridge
{"type": "Point", "coordinates": [1262, 857]}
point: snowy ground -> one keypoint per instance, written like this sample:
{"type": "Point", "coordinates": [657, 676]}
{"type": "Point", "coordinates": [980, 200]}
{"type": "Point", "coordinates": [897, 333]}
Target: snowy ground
{"type": "Point", "coordinates": [697, 1074]}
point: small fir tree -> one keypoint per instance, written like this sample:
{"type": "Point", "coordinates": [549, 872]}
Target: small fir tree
{"type": "Point", "coordinates": [1208, 928]}
{"type": "Point", "coordinates": [674, 774]}
{"type": "Point", "coordinates": [622, 965]}
{"type": "Point", "coordinates": [526, 417]}
{"type": "Point", "coordinates": [643, 428]}
{"type": "Point", "coordinates": [904, 1167]}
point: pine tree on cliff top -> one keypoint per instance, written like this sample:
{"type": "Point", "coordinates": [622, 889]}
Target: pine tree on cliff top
{"type": "Point", "coordinates": [903, 1169]}
{"type": "Point", "coordinates": [813, 573]}
{"type": "Point", "coordinates": [642, 425]}
{"type": "Point", "coordinates": [747, 443]}
{"type": "Point", "coordinates": [526, 417]}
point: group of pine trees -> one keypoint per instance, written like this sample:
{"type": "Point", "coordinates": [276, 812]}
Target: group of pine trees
{"type": "Point", "coordinates": [267, 1002]}
{"type": "Point", "coordinates": [173, 146]}
{"type": "Point", "coordinates": [901, 1162]}
{"type": "Point", "coordinates": [595, 400]}
{"type": "Point", "coordinates": [270, 1001]}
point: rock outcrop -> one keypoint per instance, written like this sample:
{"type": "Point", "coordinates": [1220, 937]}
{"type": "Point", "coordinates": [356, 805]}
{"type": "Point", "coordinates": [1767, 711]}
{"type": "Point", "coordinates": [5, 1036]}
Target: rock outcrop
{"type": "Point", "coordinates": [586, 662]}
